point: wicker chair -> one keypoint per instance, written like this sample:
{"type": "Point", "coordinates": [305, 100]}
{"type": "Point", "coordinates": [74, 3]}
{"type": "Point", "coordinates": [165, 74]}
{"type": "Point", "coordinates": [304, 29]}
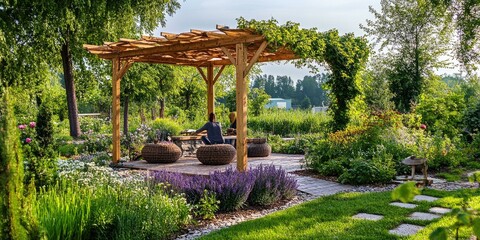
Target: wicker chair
{"type": "Point", "coordinates": [218, 154]}
{"type": "Point", "coordinates": [161, 152]}
{"type": "Point", "coordinates": [258, 147]}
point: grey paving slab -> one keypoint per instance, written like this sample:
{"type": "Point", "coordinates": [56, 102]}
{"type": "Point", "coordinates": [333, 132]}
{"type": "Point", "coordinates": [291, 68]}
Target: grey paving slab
{"type": "Point", "coordinates": [406, 229]}
{"type": "Point", "coordinates": [423, 216]}
{"type": "Point", "coordinates": [439, 210]}
{"type": "Point", "coordinates": [403, 205]}
{"type": "Point", "coordinates": [190, 164]}
{"type": "Point", "coordinates": [368, 216]}
{"type": "Point", "coordinates": [425, 198]}
{"type": "Point", "coordinates": [319, 187]}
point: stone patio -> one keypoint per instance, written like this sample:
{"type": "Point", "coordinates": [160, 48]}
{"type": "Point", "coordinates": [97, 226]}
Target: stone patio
{"type": "Point", "coordinates": [191, 165]}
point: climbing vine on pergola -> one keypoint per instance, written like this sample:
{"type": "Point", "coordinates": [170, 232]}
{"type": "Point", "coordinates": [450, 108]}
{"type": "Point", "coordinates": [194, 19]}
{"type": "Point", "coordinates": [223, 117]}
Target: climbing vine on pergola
{"type": "Point", "coordinates": [344, 56]}
{"type": "Point", "coordinates": [255, 41]}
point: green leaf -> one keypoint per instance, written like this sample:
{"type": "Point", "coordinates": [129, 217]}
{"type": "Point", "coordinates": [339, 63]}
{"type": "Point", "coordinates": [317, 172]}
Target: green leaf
{"type": "Point", "coordinates": [476, 226]}
{"type": "Point", "coordinates": [463, 218]}
{"type": "Point", "coordinates": [405, 192]}
{"type": "Point", "coordinates": [440, 233]}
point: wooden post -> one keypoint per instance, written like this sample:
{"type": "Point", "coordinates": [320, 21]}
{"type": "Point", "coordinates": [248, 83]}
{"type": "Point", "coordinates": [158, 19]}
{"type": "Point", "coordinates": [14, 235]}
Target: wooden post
{"type": "Point", "coordinates": [241, 97]}
{"type": "Point", "coordinates": [210, 91]}
{"type": "Point", "coordinates": [118, 70]}
{"type": "Point", "coordinates": [116, 110]}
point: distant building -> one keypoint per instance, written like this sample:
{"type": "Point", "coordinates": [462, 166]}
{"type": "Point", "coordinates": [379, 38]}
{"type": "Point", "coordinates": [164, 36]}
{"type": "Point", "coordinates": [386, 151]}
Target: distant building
{"type": "Point", "coordinates": [279, 103]}
{"type": "Point", "coordinates": [319, 109]}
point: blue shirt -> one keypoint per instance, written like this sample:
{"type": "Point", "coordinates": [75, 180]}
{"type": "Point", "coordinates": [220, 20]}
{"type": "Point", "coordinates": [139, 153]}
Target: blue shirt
{"type": "Point", "coordinates": [214, 132]}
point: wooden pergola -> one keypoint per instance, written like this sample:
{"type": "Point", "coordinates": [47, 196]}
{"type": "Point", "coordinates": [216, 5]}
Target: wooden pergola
{"type": "Point", "coordinates": [201, 49]}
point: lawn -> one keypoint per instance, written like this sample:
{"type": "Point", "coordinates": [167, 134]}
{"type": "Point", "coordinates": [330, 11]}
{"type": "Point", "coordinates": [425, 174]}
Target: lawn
{"type": "Point", "coordinates": [330, 218]}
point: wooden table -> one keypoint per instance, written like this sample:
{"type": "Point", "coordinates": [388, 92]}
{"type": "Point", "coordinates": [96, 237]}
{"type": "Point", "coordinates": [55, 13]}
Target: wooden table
{"type": "Point", "coordinates": [190, 144]}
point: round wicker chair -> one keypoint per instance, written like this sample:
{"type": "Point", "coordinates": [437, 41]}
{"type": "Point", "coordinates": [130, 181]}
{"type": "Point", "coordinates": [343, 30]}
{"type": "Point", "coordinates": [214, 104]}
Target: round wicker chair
{"type": "Point", "coordinates": [258, 147]}
{"type": "Point", "coordinates": [161, 152]}
{"type": "Point", "coordinates": [218, 154]}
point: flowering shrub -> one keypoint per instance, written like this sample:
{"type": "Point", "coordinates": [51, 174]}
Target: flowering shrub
{"type": "Point", "coordinates": [271, 185]}
{"type": "Point", "coordinates": [39, 158]}
{"type": "Point", "coordinates": [95, 142]}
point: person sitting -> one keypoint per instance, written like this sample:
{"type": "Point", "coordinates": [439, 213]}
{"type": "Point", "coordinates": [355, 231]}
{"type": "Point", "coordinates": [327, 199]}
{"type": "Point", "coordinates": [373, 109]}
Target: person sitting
{"type": "Point", "coordinates": [214, 131]}
{"type": "Point", "coordinates": [232, 130]}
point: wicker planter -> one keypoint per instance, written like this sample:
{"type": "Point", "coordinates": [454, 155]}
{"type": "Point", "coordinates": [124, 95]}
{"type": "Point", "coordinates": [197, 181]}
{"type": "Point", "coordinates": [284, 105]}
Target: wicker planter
{"type": "Point", "coordinates": [161, 153]}
{"type": "Point", "coordinates": [256, 140]}
{"type": "Point", "coordinates": [218, 154]}
{"type": "Point", "coordinates": [258, 147]}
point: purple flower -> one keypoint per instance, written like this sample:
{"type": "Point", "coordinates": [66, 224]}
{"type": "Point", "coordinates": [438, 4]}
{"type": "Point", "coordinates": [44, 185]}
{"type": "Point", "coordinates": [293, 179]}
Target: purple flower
{"type": "Point", "coordinates": [28, 140]}
{"type": "Point", "coordinates": [423, 126]}
{"type": "Point", "coordinates": [33, 124]}
{"type": "Point", "coordinates": [21, 127]}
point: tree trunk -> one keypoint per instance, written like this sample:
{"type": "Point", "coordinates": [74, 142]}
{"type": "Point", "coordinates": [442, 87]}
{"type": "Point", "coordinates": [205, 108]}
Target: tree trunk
{"type": "Point", "coordinates": [153, 113]}
{"type": "Point", "coordinates": [125, 115]}
{"type": "Point", "coordinates": [70, 89]}
{"type": "Point", "coordinates": [142, 115]}
{"type": "Point", "coordinates": [162, 108]}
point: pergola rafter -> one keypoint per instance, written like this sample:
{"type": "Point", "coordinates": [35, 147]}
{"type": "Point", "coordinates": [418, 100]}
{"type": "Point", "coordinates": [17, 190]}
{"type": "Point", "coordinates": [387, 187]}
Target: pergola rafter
{"type": "Point", "coordinates": [201, 49]}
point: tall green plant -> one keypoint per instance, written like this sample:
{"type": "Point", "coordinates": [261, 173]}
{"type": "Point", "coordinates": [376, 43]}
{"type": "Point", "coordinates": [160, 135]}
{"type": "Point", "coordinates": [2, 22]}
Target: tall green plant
{"type": "Point", "coordinates": [11, 175]}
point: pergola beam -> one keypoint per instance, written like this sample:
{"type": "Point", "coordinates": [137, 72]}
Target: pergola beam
{"type": "Point", "coordinates": [179, 47]}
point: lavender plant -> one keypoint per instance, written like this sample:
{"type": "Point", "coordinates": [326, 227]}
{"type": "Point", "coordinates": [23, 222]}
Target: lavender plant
{"type": "Point", "coordinates": [231, 188]}
{"type": "Point", "coordinates": [271, 185]}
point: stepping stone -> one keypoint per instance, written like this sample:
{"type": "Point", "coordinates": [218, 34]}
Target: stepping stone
{"type": "Point", "coordinates": [423, 216]}
{"type": "Point", "coordinates": [439, 210]}
{"type": "Point", "coordinates": [404, 205]}
{"type": "Point", "coordinates": [406, 230]}
{"type": "Point", "coordinates": [424, 198]}
{"type": "Point", "coordinates": [367, 216]}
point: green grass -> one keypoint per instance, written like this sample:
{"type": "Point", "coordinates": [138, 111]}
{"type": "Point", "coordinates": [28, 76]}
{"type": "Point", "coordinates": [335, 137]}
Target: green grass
{"type": "Point", "coordinates": [330, 218]}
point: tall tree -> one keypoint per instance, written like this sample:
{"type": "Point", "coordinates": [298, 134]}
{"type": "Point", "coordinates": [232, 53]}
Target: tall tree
{"type": "Point", "coordinates": [415, 34]}
{"type": "Point", "coordinates": [62, 27]}
{"type": "Point", "coordinates": [284, 87]}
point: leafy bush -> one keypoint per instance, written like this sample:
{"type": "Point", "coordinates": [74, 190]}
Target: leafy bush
{"type": "Point", "coordinates": [471, 118]}
{"type": "Point", "coordinates": [96, 142]}
{"type": "Point", "coordinates": [296, 146]}
{"type": "Point", "coordinates": [368, 153]}
{"type": "Point", "coordinates": [94, 125]}
{"type": "Point", "coordinates": [441, 109]}
{"type": "Point", "coordinates": [166, 125]}
{"type": "Point", "coordinates": [271, 185]}
{"type": "Point", "coordinates": [207, 205]}
{"type": "Point", "coordinates": [364, 172]}
{"type": "Point", "coordinates": [70, 149]}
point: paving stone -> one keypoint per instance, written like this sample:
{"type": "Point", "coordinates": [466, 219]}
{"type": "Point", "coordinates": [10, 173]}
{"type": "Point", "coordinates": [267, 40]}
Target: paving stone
{"type": "Point", "coordinates": [425, 198]}
{"type": "Point", "coordinates": [404, 205]}
{"type": "Point", "coordinates": [406, 230]}
{"type": "Point", "coordinates": [439, 210]}
{"type": "Point", "coordinates": [367, 216]}
{"type": "Point", "coordinates": [423, 216]}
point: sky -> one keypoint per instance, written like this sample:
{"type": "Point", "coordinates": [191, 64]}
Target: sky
{"type": "Point", "coordinates": [344, 15]}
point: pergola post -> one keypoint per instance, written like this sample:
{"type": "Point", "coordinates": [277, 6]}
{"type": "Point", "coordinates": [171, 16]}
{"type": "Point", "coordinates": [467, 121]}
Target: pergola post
{"type": "Point", "coordinates": [241, 97]}
{"type": "Point", "coordinates": [118, 70]}
{"type": "Point", "coordinates": [210, 80]}
{"type": "Point", "coordinates": [210, 91]}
